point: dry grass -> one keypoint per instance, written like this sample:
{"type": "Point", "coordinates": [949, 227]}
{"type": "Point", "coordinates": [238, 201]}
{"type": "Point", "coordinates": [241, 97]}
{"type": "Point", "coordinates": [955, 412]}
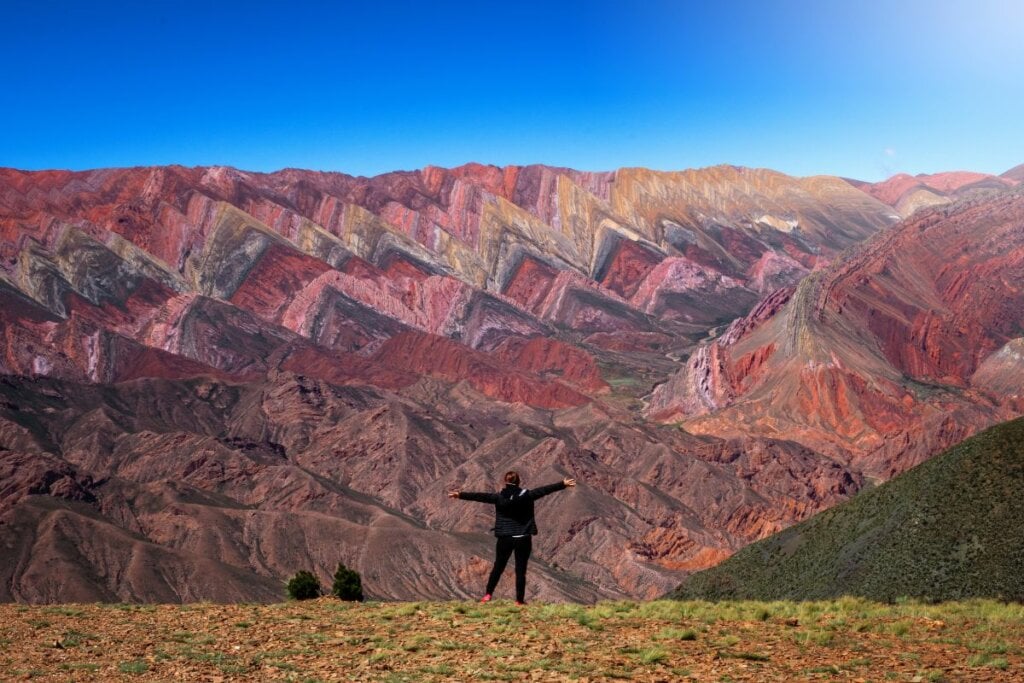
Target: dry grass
{"type": "Point", "coordinates": [325, 640]}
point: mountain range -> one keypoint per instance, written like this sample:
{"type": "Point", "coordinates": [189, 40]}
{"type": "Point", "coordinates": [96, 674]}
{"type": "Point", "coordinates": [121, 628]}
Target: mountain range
{"type": "Point", "coordinates": [213, 378]}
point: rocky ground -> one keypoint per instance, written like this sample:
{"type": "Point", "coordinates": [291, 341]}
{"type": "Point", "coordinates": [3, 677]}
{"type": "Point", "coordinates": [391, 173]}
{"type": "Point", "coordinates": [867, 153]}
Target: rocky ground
{"type": "Point", "coordinates": [328, 640]}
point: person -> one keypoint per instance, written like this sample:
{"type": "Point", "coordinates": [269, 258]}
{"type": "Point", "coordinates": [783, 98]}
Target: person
{"type": "Point", "coordinates": [514, 526]}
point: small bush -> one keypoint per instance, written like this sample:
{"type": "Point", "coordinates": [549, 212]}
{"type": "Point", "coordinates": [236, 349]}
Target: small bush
{"type": "Point", "coordinates": [654, 655]}
{"type": "Point", "coordinates": [348, 585]}
{"type": "Point", "coordinates": [901, 628]}
{"type": "Point", "coordinates": [676, 634]}
{"type": "Point", "coordinates": [587, 620]}
{"type": "Point", "coordinates": [303, 586]}
{"type": "Point", "coordinates": [750, 656]}
{"type": "Point", "coordinates": [134, 667]}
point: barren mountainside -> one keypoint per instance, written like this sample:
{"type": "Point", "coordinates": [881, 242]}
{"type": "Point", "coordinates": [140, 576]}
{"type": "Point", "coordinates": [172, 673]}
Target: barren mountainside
{"type": "Point", "coordinates": [908, 194]}
{"type": "Point", "coordinates": [213, 378]}
{"type": "Point", "coordinates": [903, 347]}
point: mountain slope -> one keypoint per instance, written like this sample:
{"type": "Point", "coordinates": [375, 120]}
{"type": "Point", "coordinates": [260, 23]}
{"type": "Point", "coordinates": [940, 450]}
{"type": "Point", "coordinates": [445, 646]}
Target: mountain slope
{"type": "Point", "coordinates": [894, 352]}
{"type": "Point", "coordinates": [908, 194]}
{"type": "Point", "coordinates": [1015, 173]}
{"type": "Point", "coordinates": [243, 483]}
{"type": "Point", "coordinates": [946, 530]}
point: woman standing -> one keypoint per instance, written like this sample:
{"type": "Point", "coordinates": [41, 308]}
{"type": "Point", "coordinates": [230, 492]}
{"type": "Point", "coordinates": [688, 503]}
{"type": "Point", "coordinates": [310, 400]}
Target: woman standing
{"type": "Point", "coordinates": [514, 525]}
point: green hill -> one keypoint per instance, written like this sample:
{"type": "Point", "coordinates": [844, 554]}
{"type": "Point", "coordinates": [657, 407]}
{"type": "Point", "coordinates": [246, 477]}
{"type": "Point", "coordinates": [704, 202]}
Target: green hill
{"type": "Point", "coordinates": [951, 528]}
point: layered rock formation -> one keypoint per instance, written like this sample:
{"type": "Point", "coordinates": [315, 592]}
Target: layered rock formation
{"type": "Point", "coordinates": [213, 378]}
{"type": "Point", "coordinates": [907, 194]}
{"type": "Point", "coordinates": [899, 349]}
{"type": "Point", "coordinates": [1016, 173]}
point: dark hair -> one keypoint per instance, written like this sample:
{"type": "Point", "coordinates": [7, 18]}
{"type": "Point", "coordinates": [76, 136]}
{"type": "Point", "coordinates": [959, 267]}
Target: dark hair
{"type": "Point", "coordinates": [512, 477]}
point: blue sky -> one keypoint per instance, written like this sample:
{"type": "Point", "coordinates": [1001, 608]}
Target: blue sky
{"type": "Point", "coordinates": [862, 89]}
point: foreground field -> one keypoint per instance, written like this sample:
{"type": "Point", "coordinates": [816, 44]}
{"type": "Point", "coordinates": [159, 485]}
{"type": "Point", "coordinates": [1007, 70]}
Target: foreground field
{"type": "Point", "coordinates": [329, 640]}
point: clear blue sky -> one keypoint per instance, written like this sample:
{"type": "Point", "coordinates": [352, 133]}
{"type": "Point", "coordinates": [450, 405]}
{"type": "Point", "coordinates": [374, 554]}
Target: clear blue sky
{"type": "Point", "coordinates": [861, 89]}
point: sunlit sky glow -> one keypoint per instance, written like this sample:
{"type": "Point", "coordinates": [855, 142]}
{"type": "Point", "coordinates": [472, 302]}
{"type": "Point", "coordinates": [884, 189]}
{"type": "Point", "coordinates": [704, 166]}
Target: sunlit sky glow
{"type": "Point", "coordinates": [859, 89]}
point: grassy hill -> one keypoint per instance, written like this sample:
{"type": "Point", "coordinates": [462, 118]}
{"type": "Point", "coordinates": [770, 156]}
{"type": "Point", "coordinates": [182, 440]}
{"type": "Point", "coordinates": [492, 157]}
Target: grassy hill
{"type": "Point", "coordinates": [949, 529]}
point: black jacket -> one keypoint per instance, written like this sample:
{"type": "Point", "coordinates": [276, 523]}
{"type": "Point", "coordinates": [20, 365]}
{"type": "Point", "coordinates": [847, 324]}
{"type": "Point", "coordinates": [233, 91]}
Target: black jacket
{"type": "Point", "coordinates": [513, 507]}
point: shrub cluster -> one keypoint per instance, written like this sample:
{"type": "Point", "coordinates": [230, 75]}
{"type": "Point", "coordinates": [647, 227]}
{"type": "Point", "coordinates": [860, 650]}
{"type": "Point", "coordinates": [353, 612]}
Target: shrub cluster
{"type": "Point", "coordinates": [303, 586]}
{"type": "Point", "coordinates": [348, 585]}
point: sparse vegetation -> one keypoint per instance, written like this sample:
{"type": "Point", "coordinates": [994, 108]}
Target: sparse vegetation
{"type": "Point", "coordinates": [133, 667]}
{"type": "Point", "coordinates": [312, 640]}
{"type": "Point", "coordinates": [677, 634]}
{"type": "Point", "coordinates": [985, 659]}
{"type": "Point", "coordinates": [654, 655]}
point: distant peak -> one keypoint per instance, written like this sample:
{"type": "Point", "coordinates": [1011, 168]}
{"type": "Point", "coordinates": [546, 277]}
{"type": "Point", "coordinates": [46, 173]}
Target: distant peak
{"type": "Point", "coordinates": [1015, 173]}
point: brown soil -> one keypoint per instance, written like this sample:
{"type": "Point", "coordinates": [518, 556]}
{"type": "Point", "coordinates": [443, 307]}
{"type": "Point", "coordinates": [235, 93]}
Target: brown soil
{"type": "Point", "coordinates": [660, 641]}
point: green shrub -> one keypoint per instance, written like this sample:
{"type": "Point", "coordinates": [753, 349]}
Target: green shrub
{"type": "Point", "coordinates": [348, 585]}
{"type": "Point", "coordinates": [303, 586]}
{"type": "Point", "coordinates": [134, 667]}
{"type": "Point", "coordinates": [654, 655]}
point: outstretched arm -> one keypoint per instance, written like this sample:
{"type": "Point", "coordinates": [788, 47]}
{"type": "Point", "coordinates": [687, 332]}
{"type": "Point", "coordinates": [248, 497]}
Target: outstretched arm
{"type": "Point", "coordinates": [479, 497]}
{"type": "Point", "coordinates": [534, 494]}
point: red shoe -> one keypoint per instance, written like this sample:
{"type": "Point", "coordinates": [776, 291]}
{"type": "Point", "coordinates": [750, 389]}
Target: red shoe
{"type": "Point", "coordinates": [486, 598]}
{"type": "Point", "coordinates": [520, 604]}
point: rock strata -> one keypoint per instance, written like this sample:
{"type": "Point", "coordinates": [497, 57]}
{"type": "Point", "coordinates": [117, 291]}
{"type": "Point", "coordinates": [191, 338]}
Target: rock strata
{"type": "Point", "coordinates": [211, 378]}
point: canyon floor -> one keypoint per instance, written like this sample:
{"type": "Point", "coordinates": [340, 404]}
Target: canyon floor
{"type": "Point", "coordinates": [327, 640]}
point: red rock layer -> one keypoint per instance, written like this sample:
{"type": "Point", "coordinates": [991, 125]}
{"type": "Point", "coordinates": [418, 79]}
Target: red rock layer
{"type": "Point", "coordinates": [909, 193]}
{"type": "Point", "coordinates": [629, 265]}
{"type": "Point", "coordinates": [441, 357]}
{"type": "Point", "coordinates": [555, 359]}
{"type": "Point", "coordinates": [870, 358]}
{"type": "Point", "coordinates": [530, 284]}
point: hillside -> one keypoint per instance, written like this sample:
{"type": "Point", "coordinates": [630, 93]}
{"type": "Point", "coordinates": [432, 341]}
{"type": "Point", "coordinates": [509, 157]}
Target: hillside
{"type": "Point", "coordinates": [946, 530]}
{"type": "Point", "coordinates": [909, 194]}
{"type": "Point", "coordinates": [1015, 173]}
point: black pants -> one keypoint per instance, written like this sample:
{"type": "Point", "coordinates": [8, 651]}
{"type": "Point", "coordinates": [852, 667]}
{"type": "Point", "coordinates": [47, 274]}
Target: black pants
{"type": "Point", "coordinates": [506, 546]}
